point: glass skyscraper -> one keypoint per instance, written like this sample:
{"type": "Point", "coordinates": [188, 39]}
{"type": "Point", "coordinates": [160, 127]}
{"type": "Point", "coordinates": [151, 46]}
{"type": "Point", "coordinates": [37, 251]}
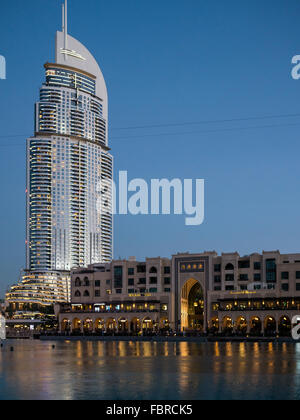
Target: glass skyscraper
{"type": "Point", "coordinates": [69, 215]}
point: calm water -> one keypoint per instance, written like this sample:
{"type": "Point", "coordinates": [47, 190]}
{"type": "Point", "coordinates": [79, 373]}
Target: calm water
{"type": "Point", "coordinates": [134, 371]}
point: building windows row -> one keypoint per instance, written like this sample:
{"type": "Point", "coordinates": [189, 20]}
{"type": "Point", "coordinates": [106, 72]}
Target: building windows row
{"type": "Point", "coordinates": [284, 287]}
{"type": "Point", "coordinates": [285, 275]}
{"type": "Point", "coordinates": [87, 283]}
{"type": "Point", "coordinates": [85, 294]}
{"type": "Point", "coordinates": [244, 287]}
{"type": "Point", "coordinates": [242, 277]}
{"type": "Point", "coordinates": [142, 290]}
{"type": "Point", "coordinates": [257, 304]}
{"type": "Point", "coordinates": [241, 265]}
{"type": "Point", "coordinates": [142, 269]}
{"type": "Point", "coordinates": [152, 280]}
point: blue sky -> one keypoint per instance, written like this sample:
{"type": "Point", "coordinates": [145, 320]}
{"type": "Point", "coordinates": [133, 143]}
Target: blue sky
{"type": "Point", "coordinates": [169, 62]}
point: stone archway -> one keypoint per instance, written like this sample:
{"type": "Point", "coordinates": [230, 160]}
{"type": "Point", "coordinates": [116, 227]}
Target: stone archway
{"type": "Point", "coordinates": [214, 325]}
{"type": "Point", "coordinates": [99, 325]}
{"type": "Point", "coordinates": [164, 324]}
{"type": "Point", "coordinates": [270, 326]}
{"type": "Point", "coordinates": [255, 326]}
{"type": "Point", "coordinates": [284, 326]}
{"type": "Point", "coordinates": [147, 324]}
{"type": "Point", "coordinates": [192, 306]}
{"type": "Point", "coordinates": [111, 324]}
{"type": "Point", "coordinates": [135, 325]}
{"type": "Point", "coordinates": [65, 325]}
{"type": "Point", "coordinates": [123, 325]}
{"type": "Point", "coordinates": [88, 326]}
{"type": "Point", "coordinates": [227, 325]}
{"type": "Point", "coordinates": [77, 324]}
{"type": "Point", "coordinates": [241, 325]}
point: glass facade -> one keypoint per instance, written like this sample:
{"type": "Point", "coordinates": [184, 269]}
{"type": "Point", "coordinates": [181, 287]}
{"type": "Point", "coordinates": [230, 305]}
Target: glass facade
{"type": "Point", "coordinates": [69, 225]}
{"type": "Point", "coordinates": [69, 218]}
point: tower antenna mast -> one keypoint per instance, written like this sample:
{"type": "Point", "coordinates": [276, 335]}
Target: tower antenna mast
{"type": "Point", "coordinates": [65, 22]}
{"type": "Point", "coordinates": [63, 18]}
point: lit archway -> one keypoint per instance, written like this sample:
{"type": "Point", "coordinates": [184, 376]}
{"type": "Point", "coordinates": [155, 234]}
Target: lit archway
{"type": "Point", "coordinates": [227, 325]}
{"type": "Point", "coordinates": [77, 324]}
{"type": "Point", "coordinates": [135, 325]}
{"type": "Point", "coordinates": [164, 324]}
{"type": "Point", "coordinates": [123, 325]}
{"type": "Point", "coordinates": [111, 324]}
{"type": "Point", "coordinates": [241, 325]}
{"type": "Point", "coordinates": [214, 325]}
{"type": "Point", "coordinates": [147, 324]}
{"type": "Point", "coordinates": [255, 326]}
{"type": "Point", "coordinates": [285, 326]}
{"type": "Point", "coordinates": [88, 325]}
{"type": "Point", "coordinates": [65, 325]}
{"type": "Point", "coordinates": [99, 325]}
{"type": "Point", "coordinates": [270, 326]}
{"type": "Point", "coordinates": [192, 306]}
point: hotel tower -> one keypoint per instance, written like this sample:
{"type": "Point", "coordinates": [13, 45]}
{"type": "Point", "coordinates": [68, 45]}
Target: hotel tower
{"type": "Point", "coordinates": [69, 218]}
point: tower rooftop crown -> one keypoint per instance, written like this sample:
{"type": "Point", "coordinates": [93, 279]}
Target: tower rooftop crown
{"type": "Point", "coordinates": [79, 57]}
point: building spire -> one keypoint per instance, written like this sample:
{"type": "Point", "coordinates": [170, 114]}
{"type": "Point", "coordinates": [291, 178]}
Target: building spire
{"type": "Point", "coordinates": [66, 23]}
{"type": "Point", "coordinates": [63, 18]}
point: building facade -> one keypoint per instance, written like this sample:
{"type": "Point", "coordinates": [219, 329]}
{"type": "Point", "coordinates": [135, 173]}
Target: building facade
{"type": "Point", "coordinates": [252, 295]}
{"type": "Point", "coordinates": [123, 295]}
{"type": "Point", "coordinates": [67, 160]}
{"type": "Point", "coordinates": [69, 217]}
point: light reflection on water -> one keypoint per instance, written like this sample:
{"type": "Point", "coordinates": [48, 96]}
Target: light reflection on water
{"type": "Point", "coordinates": [146, 370]}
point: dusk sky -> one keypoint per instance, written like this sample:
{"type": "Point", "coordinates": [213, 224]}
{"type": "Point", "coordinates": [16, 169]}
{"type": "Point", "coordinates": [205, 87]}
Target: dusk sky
{"type": "Point", "coordinates": [177, 69]}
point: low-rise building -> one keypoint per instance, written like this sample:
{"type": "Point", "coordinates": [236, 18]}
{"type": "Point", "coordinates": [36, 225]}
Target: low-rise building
{"type": "Point", "coordinates": [255, 294]}
{"type": "Point", "coordinates": [124, 296]}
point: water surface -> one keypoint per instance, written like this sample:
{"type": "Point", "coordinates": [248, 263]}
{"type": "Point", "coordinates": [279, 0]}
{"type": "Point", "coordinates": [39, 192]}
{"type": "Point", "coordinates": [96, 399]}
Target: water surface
{"type": "Point", "coordinates": [141, 371]}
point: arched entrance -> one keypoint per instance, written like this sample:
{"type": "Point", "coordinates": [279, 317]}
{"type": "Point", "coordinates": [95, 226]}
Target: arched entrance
{"type": "Point", "coordinates": [65, 325]}
{"type": "Point", "coordinates": [241, 325]}
{"type": "Point", "coordinates": [192, 306]}
{"type": "Point", "coordinates": [255, 326]}
{"type": "Point", "coordinates": [135, 325]}
{"type": "Point", "coordinates": [164, 324]}
{"type": "Point", "coordinates": [88, 326]}
{"type": "Point", "coordinates": [99, 325]}
{"type": "Point", "coordinates": [285, 326]}
{"type": "Point", "coordinates": [123, 325]}
{"type": "Point", "coordinates": [77, 325]}
{"type": "Point", "coordinates": [111, 325]}
{"type": "Point", "coordinates": [227, 325]}
{"type": "Point", "coordinates": [214, 325]}
{"type": "Point", "coordinates": [270, 326]}
{"type": "Point", "coordinates": [147, 324]}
